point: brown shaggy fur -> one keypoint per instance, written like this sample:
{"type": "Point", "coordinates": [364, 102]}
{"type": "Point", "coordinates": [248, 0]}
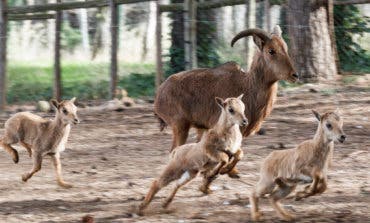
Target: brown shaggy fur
{"type": "Point", "coordinates": [185, 99]}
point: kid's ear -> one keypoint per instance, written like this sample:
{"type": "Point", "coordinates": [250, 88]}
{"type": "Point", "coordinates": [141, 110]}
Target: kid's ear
{"type": "Point", "coordinates": [73, 100]}
{"type": "Point", "coordinates": [240, 96]}
{"type": "Point", "coordinates": [54, 103]}
{"type": "Point", "coordinates": [220, 101]}
{"type": "Point", "coordinates": [317, 115]}
{"type": "Point", "coordinates": [337, 111]}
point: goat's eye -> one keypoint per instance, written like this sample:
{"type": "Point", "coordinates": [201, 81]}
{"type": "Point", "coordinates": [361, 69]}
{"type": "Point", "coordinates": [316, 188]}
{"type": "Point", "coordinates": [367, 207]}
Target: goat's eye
{"type": "Point", "coordinates": [65, 111]}
{"type": "Point", "coordinates": [271, 52]}
{"type": "Point", "coordinates": [231, 110]}
{"type": "Point", "coordinates": [329, 126]}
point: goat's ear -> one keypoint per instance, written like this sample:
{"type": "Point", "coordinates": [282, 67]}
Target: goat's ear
{"type": "Point", "coordinates": [73, 100]}
{"type": "Point", "coordinates": [277, 31]}
{"type": "Point", "coordinates": [240, 96]}
{"type": "Point", "coordinates": [337, 111]}
{"type": "Point", "coordinates": [54, 103]}
{"type": "Point", "coordinates": [317, 115]}
{"type": "Point", "coordinates": [220, 101]}
{"type": "Point", "coordinates": [259, 42]}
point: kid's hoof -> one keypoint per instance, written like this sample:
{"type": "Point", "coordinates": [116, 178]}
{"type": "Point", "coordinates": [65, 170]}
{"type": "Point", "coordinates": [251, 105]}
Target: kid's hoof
{"type": "Point", "coordinates": [205, 190]}
{"type": "Point", "coordinates": [288, 217]}
{"type": "Point", "coordinates": [16, 157]}
{"type": "Point", "coordinates": [257, 216]}
{"type": "Point", "coordinates": [65, 185]}
{"type": "Point", "coordinates": [24, 177]}
{"type": "Point", "coordinates": [165, 204]}
{"type": "Point", "coordinates": [234, 173]}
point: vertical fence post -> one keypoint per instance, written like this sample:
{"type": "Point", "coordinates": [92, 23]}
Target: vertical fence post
{"type": "Point", "coordinates": [114, 45]}
{"type": "Point", "coordinates": [190, 36]}
{"type": "Point", "coordinates": [57, 91]}
{"type": "Point", "coordinates": [267, 15]}
{"type": "Point", "coordinates": [158, 38]}
{"type": "Point", "coordinates": [3, 37]}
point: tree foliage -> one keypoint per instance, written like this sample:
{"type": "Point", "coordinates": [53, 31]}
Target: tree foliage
{"type": "Point", "coordinates": [206, 41]}
{"type": "Point", "coordinates": [349, 23]}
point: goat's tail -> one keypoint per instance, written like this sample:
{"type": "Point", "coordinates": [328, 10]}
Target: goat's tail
{"type": "Point", "coordinates": [162, 123]}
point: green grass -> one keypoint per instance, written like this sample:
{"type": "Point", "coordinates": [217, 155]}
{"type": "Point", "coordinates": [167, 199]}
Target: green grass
{"type": "Point", "coordinates": [34, 81]}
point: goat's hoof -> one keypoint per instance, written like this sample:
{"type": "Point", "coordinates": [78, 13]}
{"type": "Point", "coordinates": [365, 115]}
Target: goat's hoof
{"type": "Point", "coordinates": [257, 216]}
{"type": "Point", "coordinates": [24, 177]}
{"type": "Point", "coordinates": [205, 190]}
{"type": "Point", "coordinates": [298, 198]}
{"type": "Point", "coordinates": [65, 185]}
{"type": "Point", "coordinates": [165, 204]}
{"type": "Point", "coordinates": [16, 158]}
{"type": "Point", "coordinates": [234, 175]}
{"type": "Point", "coordinates": [288, 217]}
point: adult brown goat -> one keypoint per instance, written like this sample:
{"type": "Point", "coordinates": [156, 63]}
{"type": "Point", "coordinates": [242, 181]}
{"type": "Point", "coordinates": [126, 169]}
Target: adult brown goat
{"type": "Point", "coordinates": [185, 99]}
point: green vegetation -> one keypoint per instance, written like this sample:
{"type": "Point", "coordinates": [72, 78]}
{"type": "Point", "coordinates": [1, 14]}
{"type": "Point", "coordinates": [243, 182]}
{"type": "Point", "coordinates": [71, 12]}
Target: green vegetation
{"type": "Point", "coordinates": [348, 22]}
{"type": "Point", "coordinates": [31, 82]}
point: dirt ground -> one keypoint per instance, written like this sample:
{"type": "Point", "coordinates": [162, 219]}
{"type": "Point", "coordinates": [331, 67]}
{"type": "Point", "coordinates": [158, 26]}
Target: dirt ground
{"type": "Point", "coordinates": [112, 157]}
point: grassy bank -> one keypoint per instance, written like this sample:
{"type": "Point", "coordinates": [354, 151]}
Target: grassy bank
{"type": "Point", "coordinates": [31, 82]}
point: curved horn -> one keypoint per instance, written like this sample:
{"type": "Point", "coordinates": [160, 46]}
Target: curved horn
{"type": "Point", "coordinates": [258, 32]}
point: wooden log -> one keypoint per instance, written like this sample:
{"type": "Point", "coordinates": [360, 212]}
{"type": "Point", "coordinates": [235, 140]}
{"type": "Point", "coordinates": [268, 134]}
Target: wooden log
{"type": "Point", "coordinates": [57, 90]}
{"type": "Point", "coordinates": [114, 46]}
{"type": "Point", "coordinates": [21, 17]}
{"type": "Point", "coordinates": [3, 38]}
{"type": "Point", "coordinates": [222, 3]}
{"type": "Point", "coordinates": [67, 6]}
{"type": "Point", "coordinates": [158, 38]}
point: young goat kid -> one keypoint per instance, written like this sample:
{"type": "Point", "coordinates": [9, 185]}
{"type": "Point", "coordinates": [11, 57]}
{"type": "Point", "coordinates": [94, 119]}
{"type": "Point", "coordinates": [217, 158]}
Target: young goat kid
{"type": "Point", "coordinates": [41, 137]}
{"type": "Point", "coordinates": [283, 170]}
{"type": "Point", "coordinates": [208, 156]}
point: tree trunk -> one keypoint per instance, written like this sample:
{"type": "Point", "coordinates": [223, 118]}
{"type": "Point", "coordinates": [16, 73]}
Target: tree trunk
{"type": "Point", "coordinates": [3, 34]}
{"type": "Point", "coordinates": [310, 42]}
{"type": "Point", "coordinates": [84, 27]}
{"type": "Point", "coordinates": [251, 23]}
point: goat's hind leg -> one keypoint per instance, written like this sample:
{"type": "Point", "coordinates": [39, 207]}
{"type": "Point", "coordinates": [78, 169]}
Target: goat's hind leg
{"type": "Point", "coordinates": [185, 178]}
{"type": "Point", "coordinates": [279, 193]}
{"type": "Point", "coordinates": [6, 144]}
{"type": "Point", "coordinates": [37, 161]}
{"type": "Point", "coordinates": [263, 187]}
{"type": "Point", "coordinates": [28, 147]}
{"type": "Point", "coordinates": [166, 177]}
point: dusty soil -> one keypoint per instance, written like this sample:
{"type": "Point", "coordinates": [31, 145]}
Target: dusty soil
{"type": "Point", "coordinates": [112, 157]}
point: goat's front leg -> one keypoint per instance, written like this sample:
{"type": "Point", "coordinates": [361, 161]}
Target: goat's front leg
{"type": "Point", "coordinates": [318, 186]}
{"type": "Point", "coordinates": [210, 175]}
{"type": "Point", "coordinates": [236, 158]}
{"type": "Point", "coordinates": [37, 161]}
{"type": "Point", "coordinates": [58, 170]}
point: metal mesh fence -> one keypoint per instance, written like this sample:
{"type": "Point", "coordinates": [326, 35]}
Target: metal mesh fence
{"type": "Point", "coordinates": [86, 41]}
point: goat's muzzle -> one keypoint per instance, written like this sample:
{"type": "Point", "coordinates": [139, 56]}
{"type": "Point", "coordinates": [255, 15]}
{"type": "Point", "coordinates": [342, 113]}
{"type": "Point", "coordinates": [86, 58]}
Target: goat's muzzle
{"type": "Point", "coordinates": [293, 77]}
{"type": "Point", "coordinates": [76, 121]}
{"type": "Point", "coordinates": [342, 138]}
{"type": "Point", "coordinates": [244, 122]}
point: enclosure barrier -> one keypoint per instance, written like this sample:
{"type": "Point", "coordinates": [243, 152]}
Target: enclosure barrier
{"type": "Point", "coordinates": [41, 12]}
